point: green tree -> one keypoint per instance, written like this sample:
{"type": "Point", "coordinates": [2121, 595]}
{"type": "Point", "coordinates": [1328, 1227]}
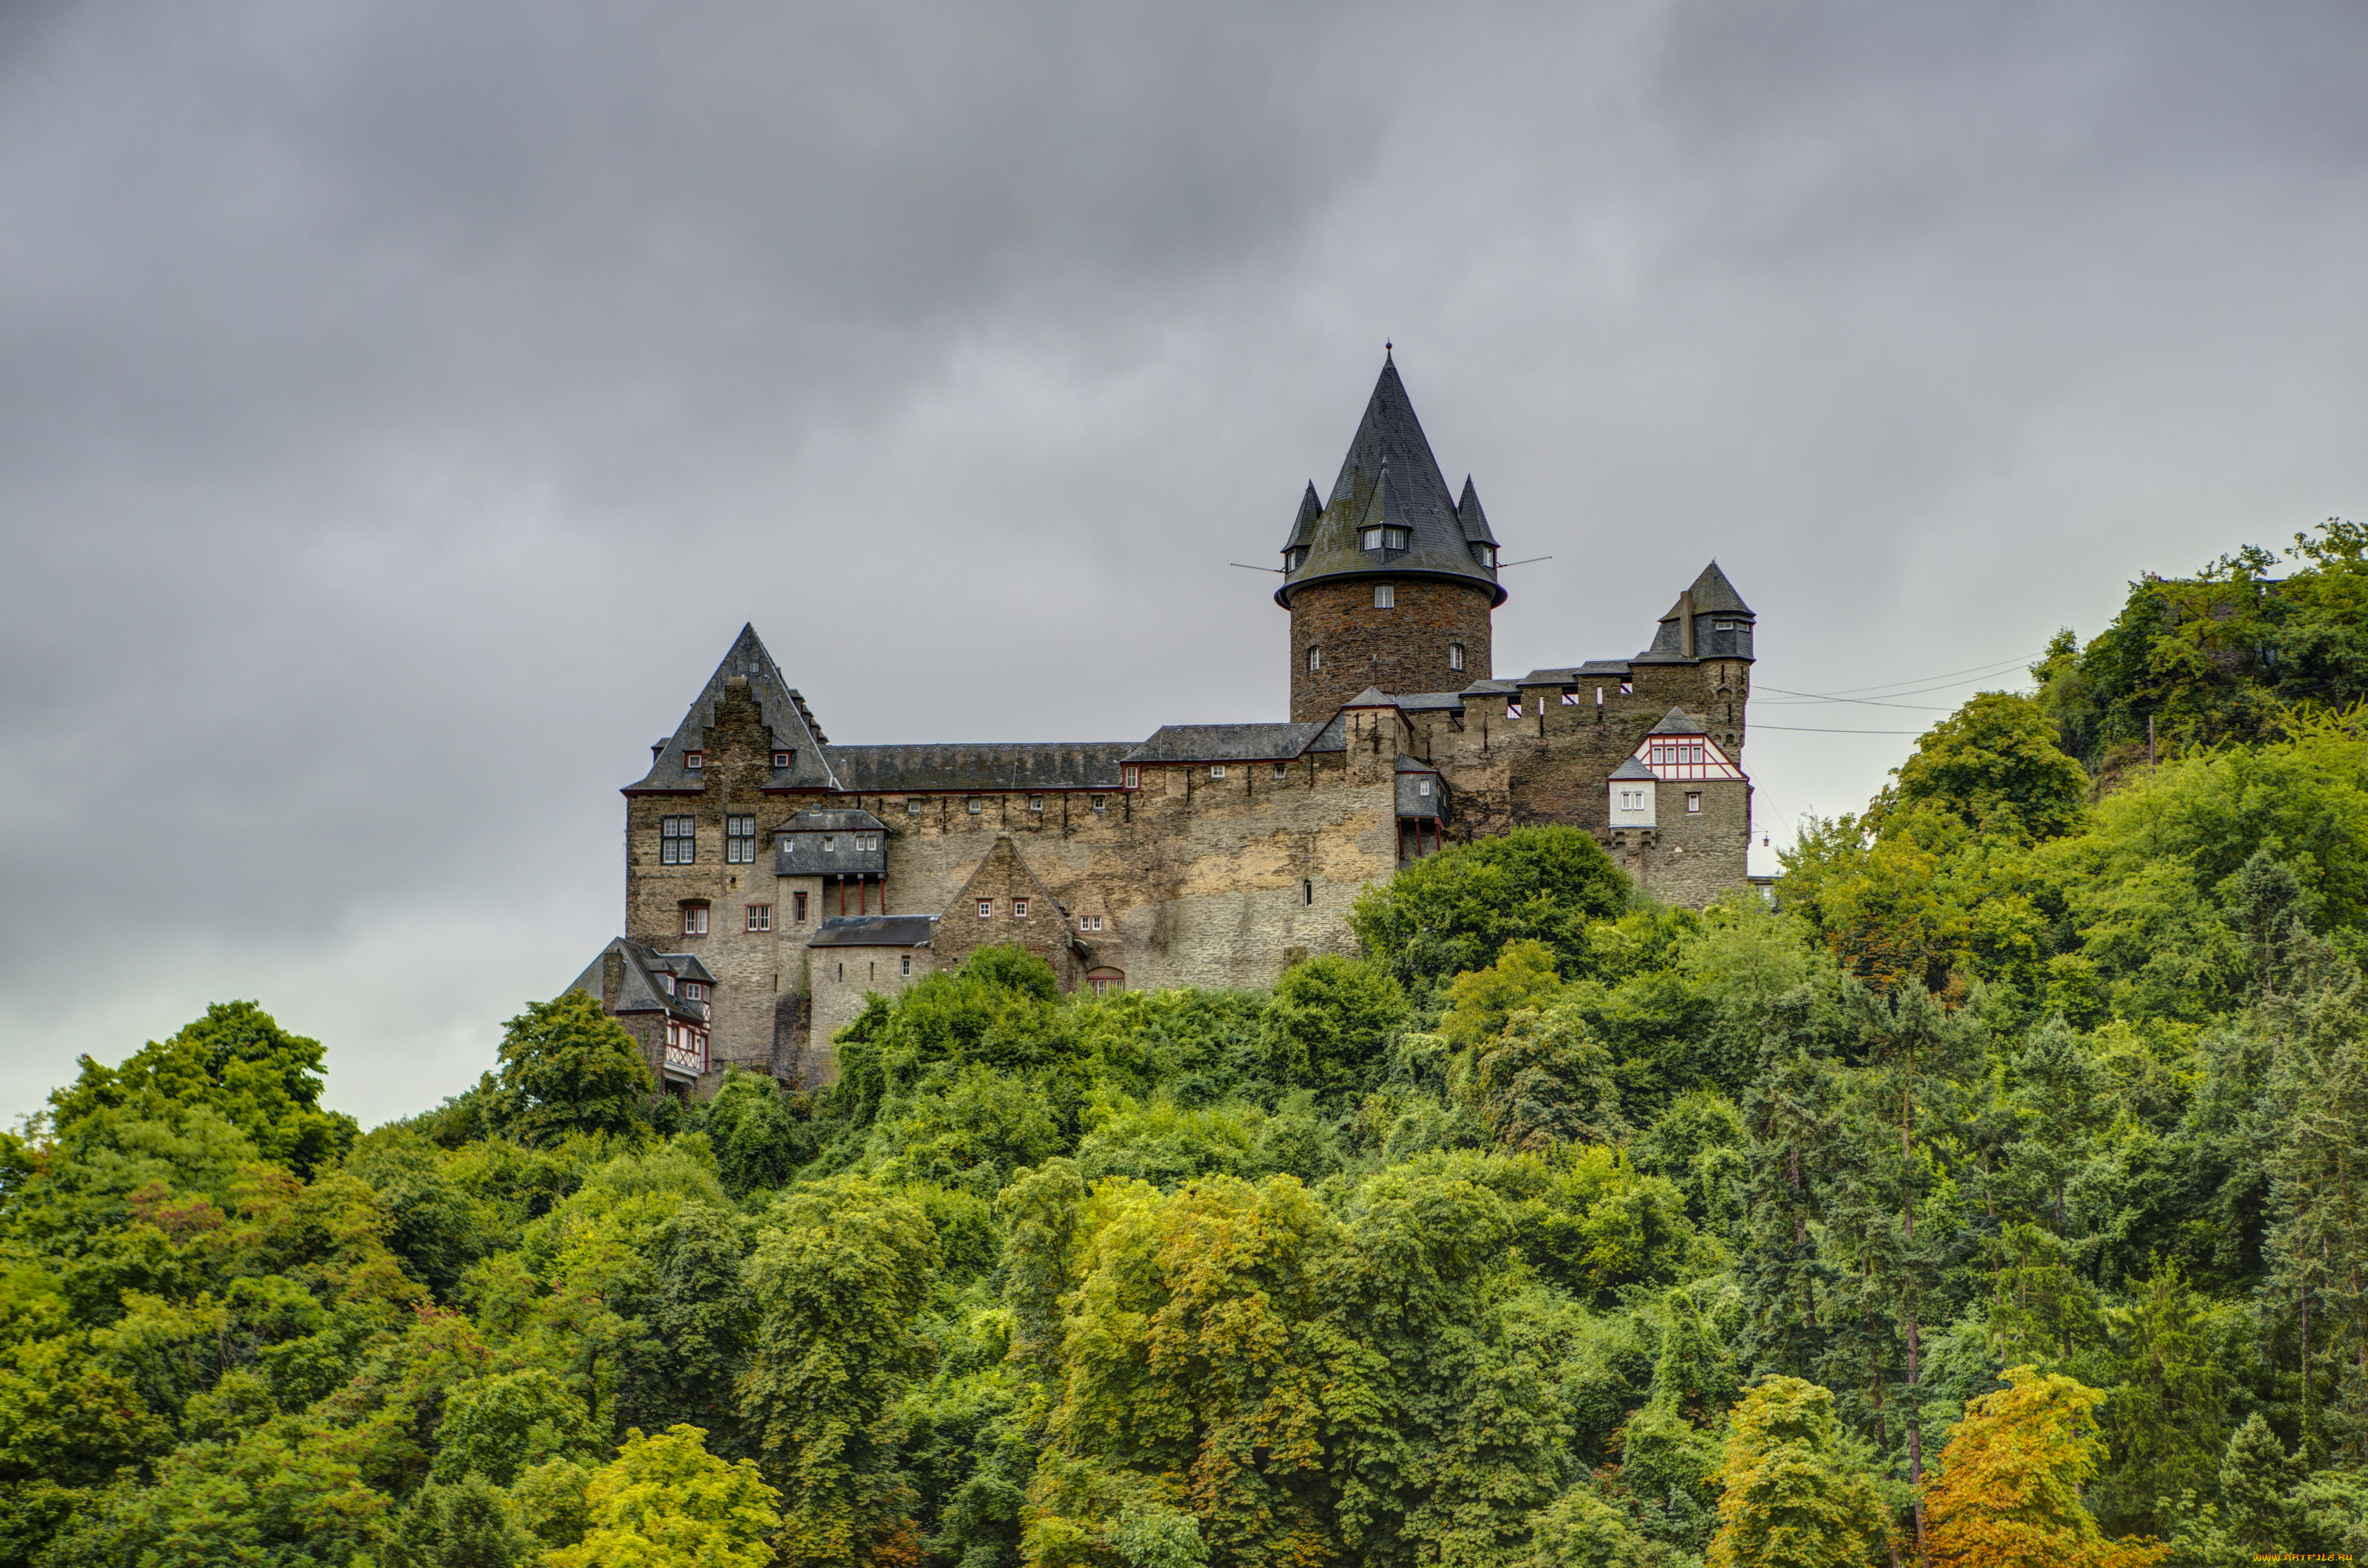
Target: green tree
{"type": "Point", "coordinates": [464, 1525]}
{"type": "Point", "coordinates": [1328, 1028]}
{"type": "Point", "coordinates": [841, 1272]}
{"type": "Point", "coordinates": [666, 1501]}
{"type": "Point", "coordinates": [758, 1139]}
{"type": "Point", "coordinates": [1479, 1001]}
{"type": "Point", "coordinates": [1455, 911]}
{"type": "Point", "coordinates": [1994, 766]}
{"type": "Point", "coordinates": [567, 1067]}
{"type": "Point", "coordinates": [497, 1425]}
{"type": "Point", "coordinates": [1547, 1080]}
{"type": "Point", "coordinates": [1792, 1494]}
{"type": "Point", "coordinates": [238, 1061]}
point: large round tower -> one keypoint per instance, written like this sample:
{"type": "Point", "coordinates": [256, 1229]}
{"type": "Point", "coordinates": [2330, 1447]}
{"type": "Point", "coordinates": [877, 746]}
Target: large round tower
{"type": "Point", "coordinates": [1392, 582]}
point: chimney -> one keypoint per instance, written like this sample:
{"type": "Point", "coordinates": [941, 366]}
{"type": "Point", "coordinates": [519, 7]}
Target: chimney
{"type": "Point", "coordinates": [656, 747]}
{"type": "Point", "coordinates": [1686, 621]}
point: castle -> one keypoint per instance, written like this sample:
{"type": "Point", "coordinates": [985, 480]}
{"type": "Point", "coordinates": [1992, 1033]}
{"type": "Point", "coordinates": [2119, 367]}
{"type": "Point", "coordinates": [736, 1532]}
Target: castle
{"type": "Point", "coordinates": [773, 880]}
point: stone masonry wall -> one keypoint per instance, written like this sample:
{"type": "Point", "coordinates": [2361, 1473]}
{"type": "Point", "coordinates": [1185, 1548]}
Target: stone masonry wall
{"type": "Point", "coordinates": [1403, 648]}
{"type": "Point", "coordinates": [841, 979]}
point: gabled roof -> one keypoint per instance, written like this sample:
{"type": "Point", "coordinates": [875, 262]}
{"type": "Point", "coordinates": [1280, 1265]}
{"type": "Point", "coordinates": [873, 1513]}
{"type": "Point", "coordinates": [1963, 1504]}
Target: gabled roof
{"type": "Point", "coordinates": [1632, 767]}
{"type": "Point", "coordinates": [1226, 742]}
{"type": "Point", "coordinates": [1677, 721]}
{"type": "Point", "coordinates": [1389, 477]}
{"type": "Point", "coordinates": [1047, 764]}
{"type": "Point", "coordinates": [1371, 697]}
{"type": "Point", "coordinates": [783, 710]}
{"type": "Point", "coordinates": [638, 987]}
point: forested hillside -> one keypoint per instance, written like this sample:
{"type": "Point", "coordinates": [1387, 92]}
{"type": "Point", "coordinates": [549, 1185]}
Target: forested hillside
{"type": "Point", "coordinates": [2002, 1198]}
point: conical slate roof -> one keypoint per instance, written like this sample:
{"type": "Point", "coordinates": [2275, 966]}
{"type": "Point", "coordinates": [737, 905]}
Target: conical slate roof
{"type": "Point", "coordinates": [1389, 479]}
{"type": "Point", "coordinates": [784, 712]}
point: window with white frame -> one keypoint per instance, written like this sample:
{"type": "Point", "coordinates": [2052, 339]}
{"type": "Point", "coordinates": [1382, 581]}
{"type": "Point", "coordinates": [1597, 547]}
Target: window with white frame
{"type": "Point", "coordinates": [694, 991]}
{"type": "Point", "coordinates": [913, 807]}
{"type": "Point", "coordinates": [1089, 922]}
{"type": "Point", "coordinates": [1282, 770]}
{"type": "Point", "coordinates": [739, 840]}
{"type": "Point", "coordinates": [986, 909]}
{"type": "Point", "coordinates": [694, 920]}
{"type": "Point", "coordinates": [1422, 787]}
{"type": "Point", "coordinates": [760, 918]}
{"type": "Point", "coordinates": [1035, 803]}
{"type": "Point", "coordinates": [1217, 770]}
{"type": "Point", "coordinates": [694, 760]}
{"type": "Point", "coordinates": [906, 972]}
{"type": "Point", "coordinates": [1693, 800]}
{"type": "Point", "coordinates": [1314, 660]}
{"type": "Point", "coordinates": [1385, 595]}
{"type": "Point", "coordinates": [1455, 655]}
{"type": "Point", "coordinates": [1102, 804]}
{"type": "Point", "coordinates": [785, 759]}
{"type": "Point", "coordinates": [1631, 800]}
{"type": "Point", "coordinates": [677, 841]}
{"type": "Point", "coordinates": [1019, 909]}
{"type": "Point", "coordinates": [1382, 538]}
{"type": "Point", "coordinates": [830, 844]}
{"type": "Point", "coordinates": [1132, 778]}
{"type": "Point", "coordinates": [974, 805]}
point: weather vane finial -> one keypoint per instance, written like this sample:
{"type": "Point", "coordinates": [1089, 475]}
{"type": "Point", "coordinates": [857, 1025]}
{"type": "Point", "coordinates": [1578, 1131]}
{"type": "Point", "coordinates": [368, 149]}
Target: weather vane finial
{"type": "Point", "coordinates": [1387, 349]}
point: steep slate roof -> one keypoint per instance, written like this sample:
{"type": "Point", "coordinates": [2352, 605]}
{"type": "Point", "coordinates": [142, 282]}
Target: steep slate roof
{"type": "Point", "coordinates": [1389, 477]}
{"type": "Point", "coordinates": [1631, 767]}
{"type": "Point", "coordinates": [1711, 594]}
{"type": "Point", "coordinates": [784, 711]}
{"type": "Point", "coordinates": [1426, 701]}
{"type": "Point", "coordinates": [875, 931]}
{"type": "Point", "coordinates": [638, 989]}
{"type": "Point", "coordinates": [1226, 742]}
{"type": "Point", "coordinates": [1050, 765]}
{"type": "Point", "coordinates": [1677, 721]}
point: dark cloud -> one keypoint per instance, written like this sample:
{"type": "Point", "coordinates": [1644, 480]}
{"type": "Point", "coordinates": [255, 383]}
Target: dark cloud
{"type": "Point", "coordinates": [401, 406]}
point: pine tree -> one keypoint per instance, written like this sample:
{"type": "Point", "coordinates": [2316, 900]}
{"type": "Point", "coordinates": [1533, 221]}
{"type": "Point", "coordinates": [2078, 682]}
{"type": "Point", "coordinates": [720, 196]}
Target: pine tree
{"type": "Point", "coordinates": [2256, 1475]}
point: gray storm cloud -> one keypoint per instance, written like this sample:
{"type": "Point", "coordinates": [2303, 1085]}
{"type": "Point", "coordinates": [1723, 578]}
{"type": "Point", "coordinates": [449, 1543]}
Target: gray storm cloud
{"type": "Point", "coordinates": [402, 406]}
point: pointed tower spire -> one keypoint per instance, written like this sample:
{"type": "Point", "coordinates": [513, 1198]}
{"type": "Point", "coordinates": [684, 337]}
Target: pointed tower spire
{"type": "Point", "coordinates": [1710, 620]}
{"type": "Point", "coordinates": [1475, 520]}
{"type": "Point", "coordinates": [794, 735]}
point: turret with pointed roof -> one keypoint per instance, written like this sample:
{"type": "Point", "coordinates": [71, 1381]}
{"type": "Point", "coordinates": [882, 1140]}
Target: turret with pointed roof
{"type": "Point", "coordinates": [1710, 620]}
{"type": "Point", "coordinates": [1391, 582]}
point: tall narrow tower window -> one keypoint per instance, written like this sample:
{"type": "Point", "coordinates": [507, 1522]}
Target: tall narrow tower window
{"type": "Point", "coordinates": [1314, 660]}
{"type": "Point", "coordinates": [1455, 655]}
{"type": "Point", "coordinates": [1385, 595]}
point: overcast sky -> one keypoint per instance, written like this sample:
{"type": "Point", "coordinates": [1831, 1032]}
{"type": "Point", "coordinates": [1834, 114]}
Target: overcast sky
{"type": "Point", "coordinates": [403, 405]}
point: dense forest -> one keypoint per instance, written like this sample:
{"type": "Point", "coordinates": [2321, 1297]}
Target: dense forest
{"type": "Point", "coordinates": [1999, 1196]}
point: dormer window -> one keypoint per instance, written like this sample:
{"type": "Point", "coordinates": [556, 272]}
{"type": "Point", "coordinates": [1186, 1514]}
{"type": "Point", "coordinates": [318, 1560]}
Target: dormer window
{"type": "Point", "coordinates": [693, 761]}
{"type": "Point", "coordinates": [1132, 778]}
{"type": "Point", "coordinates": [1384, 539]}
{"type": "Point", "coordinates": [867, 841]}
{"type": "Point", "coordinates": [830, 844]}
{"type": "Point", "coordinates": [1485, 554]}
{"type": "Point", "coordinates": [1292, 559]}
{"type": "Point", "coordinates": [785, 759]}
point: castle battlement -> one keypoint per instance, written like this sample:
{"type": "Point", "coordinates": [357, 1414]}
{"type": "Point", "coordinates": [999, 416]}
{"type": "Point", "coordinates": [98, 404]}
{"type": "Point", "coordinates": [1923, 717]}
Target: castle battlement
{"type": "Point", "coordinates": [781, 880]}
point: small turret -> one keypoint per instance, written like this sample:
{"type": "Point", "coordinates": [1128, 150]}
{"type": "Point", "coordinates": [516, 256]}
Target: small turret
{"type": "Point", "coordinates": [1710, 620]}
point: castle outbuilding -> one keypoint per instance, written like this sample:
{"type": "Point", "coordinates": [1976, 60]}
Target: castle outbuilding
{"type": "Point", "coordinates": [781, 879]}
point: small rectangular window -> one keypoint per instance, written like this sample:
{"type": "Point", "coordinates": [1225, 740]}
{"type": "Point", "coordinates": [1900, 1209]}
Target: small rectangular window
{"type": "Point", "coordinates": [1370, 539]}
{"type": "Point", "coordinates": [907, 971]}
{"type": "Point", "coordinates": [1393, 539]}
{"type": "Point", "coordinates": [1385, 595]}
{"type": "Point", "coordinates": [694, 920]}
{"type": "Point", "coordinates": [739, 840]}
{"type": "Point", "coordinates": [1455, 655]}
{"type": "Point", "coordinates": [1722, 626]}
{"type": "Point", "coordinates": [760, 918]}
{"type": "Point", "coordinates": [1132, 778]}
{"type": "Point", "coordinates": [986, 909]}
{"type": "Point", "coordinates": [1693, 800]}
{"type": "Point", "coordinates": [1102, 804]}
{"type": "Point", "coordinates": [1307, 892]}
{"type": "Point", "coordinates": [1282, 770]}
{"type": "Point", "coordinates": [1314, 660]}
{"type": "Point", "coordinates": [1422, 787]}
{"type": "Point", "coordinates": [974, 805]}
{"type": "Point", "coordinates": [1035, 803]}
{"type": "Point", "coordinates": [913, 807]}
{"type": "Point", "coordinates": [677, 842]}
{"type": "Point", "coordinates": [1089, 922]}
{"type": "Point", "coordinates": [798, 907]}
{"type": "Point", "coordinates": [1019, 909]}
{"type": "Point", "coordinates": [785, 759]}
{"type": "Point", "coordinates": [1217, 770]}
{"type": "Point", "coordinates": [694, 760]}
{"type": "Point", "coordinates": [830, 844]}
